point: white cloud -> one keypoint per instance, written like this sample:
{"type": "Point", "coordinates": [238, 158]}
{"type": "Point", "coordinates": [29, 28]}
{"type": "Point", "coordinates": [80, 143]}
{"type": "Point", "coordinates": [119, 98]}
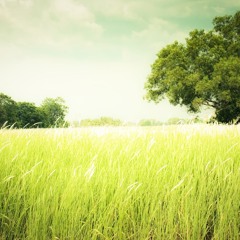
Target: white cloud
{"type": "Point", "coordinates": [110, 8]}
{"type": "Point", "coordinates": [156, 35]}
{"type": "Point", "coordinates": [70, 20]}
{"type": "Point", "coordinates": [66, 24]}
{"type": "Point", "coordinates": [55, 24]}
{"type": "Point", "coordinates": [141, 9]}
{"type": "Point", "coordinates": [70, 12]}
{"type": "Point", "coordinates": [71, 9]}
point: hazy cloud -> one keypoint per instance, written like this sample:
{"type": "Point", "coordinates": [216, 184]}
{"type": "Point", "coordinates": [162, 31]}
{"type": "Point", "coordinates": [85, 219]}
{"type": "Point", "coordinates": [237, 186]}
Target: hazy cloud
{"type": "Point", "coordinates": [73, 25]}
{"type": "Point", "coordinates": [161, 31]}
{"type": "Point", "coordinates": [57, 24]}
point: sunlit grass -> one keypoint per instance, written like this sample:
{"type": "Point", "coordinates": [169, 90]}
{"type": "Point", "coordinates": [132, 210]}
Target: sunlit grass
{"type": "Point", "coordinates": [120, 183]}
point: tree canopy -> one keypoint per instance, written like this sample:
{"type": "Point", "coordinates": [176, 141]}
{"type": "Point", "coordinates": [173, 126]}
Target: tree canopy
{"type": "Point", "coordinates": [51, 113]}
{"type": "Point", "coordinates": [8, 110]}
{"type": "Point", "coordinates": [28, 115]}
{"type": "Point", "coordinates": [54, 111]}
{"type": "Point", "coordinates": [203, 71]}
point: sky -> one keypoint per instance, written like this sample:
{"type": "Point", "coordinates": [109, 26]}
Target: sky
{"type": "Point", "coordinates": [96, 55]}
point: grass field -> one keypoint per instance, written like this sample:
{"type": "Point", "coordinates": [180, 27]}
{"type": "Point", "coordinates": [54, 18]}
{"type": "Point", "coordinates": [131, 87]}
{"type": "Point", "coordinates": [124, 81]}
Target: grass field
{"type": "Point", "coordinates": [178, 182]}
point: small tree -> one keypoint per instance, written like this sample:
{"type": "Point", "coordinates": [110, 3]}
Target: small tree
{"type": "Point", "coordinates": [8, 110]}
{"type": "Point", "coordinates": [54, 112]}
{"type": "Point", "coordinates": [205, 71]}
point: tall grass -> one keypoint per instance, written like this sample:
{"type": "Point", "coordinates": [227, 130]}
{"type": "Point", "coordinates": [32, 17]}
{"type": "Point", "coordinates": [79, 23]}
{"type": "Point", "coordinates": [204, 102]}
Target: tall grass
{"type": "Point", "coordinates": [121, 183]}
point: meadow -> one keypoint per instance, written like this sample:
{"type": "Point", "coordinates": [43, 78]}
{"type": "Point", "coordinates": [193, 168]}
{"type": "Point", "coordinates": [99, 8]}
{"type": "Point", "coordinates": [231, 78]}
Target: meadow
{"type": "Point", "coordinates": [169, 182]}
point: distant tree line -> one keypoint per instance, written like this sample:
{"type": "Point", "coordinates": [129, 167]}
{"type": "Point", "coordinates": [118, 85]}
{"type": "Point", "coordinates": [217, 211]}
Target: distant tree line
{"type": "Point", "coordinates": [170, 121]}
{"type": "Point", "coordinates": [102, 121]}
{"type": "Point", "coordinates": [108, 121]}
{"type": "Point", "coordinates": [150, 122]}
{"type": "Point", "coordinates": [51, 113]}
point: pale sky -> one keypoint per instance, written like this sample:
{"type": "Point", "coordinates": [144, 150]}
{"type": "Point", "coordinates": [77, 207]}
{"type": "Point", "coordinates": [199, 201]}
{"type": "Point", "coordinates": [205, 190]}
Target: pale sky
{"type": "Point", "coordinates": [95, 54]}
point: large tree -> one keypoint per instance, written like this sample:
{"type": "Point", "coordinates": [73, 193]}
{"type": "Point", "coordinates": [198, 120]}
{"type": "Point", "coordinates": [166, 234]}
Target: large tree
{"type": "Point", "coordinates": [203, 71]}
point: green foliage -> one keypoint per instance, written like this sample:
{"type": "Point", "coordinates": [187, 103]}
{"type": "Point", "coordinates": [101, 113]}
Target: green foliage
{"type": "Point", "coordinates": [149, 122]}
{"type": "Point", "coordinates": [175, 121]}
{"type": "Point", "coordinates": [29, 116]}
{"type": "Point", "coordinates": [54, 111]}
{"type": "Point", "coordinates": [205, 71]}
{"type": "Point", "coordinates": [8, 110]}
{"type": "Point", "coordinates": [102, 121]}
{"type": "Point", "coordinates": [26, 115]}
